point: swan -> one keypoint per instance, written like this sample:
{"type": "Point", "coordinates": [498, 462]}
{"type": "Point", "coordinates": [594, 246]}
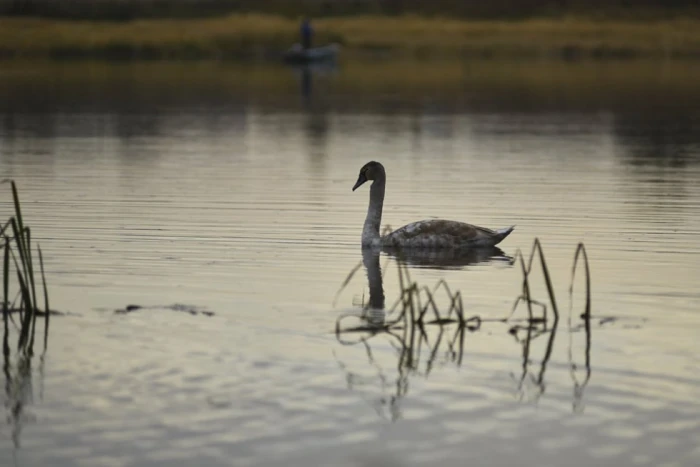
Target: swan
{"type": "Point", "coordinates": [430, 233]}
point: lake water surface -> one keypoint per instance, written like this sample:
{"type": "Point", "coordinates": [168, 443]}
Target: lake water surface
{"type": "Point", "coordinates": [219, 199]}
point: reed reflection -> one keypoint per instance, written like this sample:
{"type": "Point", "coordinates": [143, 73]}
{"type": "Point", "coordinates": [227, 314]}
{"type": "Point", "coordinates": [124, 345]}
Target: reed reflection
{"type": "Point", "coordinates": [419, 327]}
{"type": "Point", "coordinates": [547, 324]}
{"type": "Point", "coordinates": [414, 326]}
{"type": "Point", "coordinates": [426, 325]}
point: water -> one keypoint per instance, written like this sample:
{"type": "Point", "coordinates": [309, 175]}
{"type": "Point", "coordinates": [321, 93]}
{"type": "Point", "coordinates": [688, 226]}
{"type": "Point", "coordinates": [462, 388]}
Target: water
{"type": "Point", "coordinates": [223, 189]}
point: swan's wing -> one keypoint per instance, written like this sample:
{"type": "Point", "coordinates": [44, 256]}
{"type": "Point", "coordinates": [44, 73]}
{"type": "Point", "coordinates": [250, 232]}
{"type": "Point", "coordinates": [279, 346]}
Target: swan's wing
{"type": "Point", "coordinates": [444, 233]}
{"type": "Point", "coordinates": [441, 227]}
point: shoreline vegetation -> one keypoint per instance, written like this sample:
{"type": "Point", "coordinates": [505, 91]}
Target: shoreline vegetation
{"type": "Point", "coordinates": [263, 37]}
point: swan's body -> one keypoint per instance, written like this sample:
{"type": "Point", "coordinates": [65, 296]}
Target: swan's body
{"type": "Point", "coordinates": [430, 233]}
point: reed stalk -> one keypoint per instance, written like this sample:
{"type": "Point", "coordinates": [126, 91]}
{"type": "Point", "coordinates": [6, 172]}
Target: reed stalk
{"type": "Point", "coordinates": [18, 262]}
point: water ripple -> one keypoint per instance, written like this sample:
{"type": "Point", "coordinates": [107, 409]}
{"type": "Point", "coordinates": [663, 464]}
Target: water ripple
{"type": "Point", "coordinates": [257, 223]}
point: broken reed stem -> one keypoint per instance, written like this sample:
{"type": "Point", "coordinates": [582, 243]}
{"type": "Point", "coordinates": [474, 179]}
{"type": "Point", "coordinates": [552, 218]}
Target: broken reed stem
{"type": "Point", "coordinates": [5, 297]}
{"type": "Point", "coordinates": [46, 301]}
{"type": "Point", "coordinates": [581, 253]}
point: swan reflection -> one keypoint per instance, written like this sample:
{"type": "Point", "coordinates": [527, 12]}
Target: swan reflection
{"type": "Point", "coordinates": [447, 259]}
{"type": "Point", "coordinates": [420, 331]}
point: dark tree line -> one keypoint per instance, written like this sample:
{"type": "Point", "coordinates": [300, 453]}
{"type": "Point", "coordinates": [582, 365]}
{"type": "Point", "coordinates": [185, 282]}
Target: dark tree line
{"type": "Point", "coordinates": [129, 9]}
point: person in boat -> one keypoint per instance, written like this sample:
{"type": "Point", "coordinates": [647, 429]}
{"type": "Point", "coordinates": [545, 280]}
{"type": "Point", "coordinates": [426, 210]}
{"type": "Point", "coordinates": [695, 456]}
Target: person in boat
{"type": "Point", "coordinates": [306, 33]}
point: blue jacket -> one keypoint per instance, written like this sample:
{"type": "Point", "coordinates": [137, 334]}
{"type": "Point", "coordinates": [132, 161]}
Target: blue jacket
{"type": "Point", "coordinates": [306, 29]}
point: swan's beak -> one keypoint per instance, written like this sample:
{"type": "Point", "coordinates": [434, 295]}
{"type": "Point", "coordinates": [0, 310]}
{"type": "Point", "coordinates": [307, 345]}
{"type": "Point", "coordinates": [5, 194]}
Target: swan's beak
{"type": "Point", "coordinates": [360, 180]}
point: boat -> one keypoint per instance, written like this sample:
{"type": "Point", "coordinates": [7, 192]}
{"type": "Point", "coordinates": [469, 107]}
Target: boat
{"type": "Point", "coordinates": [325, 53]}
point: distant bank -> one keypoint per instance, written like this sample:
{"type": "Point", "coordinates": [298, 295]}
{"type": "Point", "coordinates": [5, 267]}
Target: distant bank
{"type": "Point", "coordinates": [121, 10]}
{"type": "Point", "coordinates": [266, 37]}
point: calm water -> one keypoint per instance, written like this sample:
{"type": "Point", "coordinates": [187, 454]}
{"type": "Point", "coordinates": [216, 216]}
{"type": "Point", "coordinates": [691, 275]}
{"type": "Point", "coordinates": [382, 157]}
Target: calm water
{"type": "Point", "coordinates": [232, 195]}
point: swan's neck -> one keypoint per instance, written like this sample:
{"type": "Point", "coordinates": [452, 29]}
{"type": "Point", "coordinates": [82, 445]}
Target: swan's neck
{"type": "Point", "coordinates": [370, 232]}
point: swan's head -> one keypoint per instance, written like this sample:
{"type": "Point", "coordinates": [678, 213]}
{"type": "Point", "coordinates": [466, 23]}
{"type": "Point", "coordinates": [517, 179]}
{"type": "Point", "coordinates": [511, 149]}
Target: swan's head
{"type": "Point", "coordinates": [370, 171]}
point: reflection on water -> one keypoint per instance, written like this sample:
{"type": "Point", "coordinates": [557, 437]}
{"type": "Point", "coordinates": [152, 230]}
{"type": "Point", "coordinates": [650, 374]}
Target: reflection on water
{"type": "Point", "coordinates": [662, 139]}
{"type": "Point", "coordinates": [18, 358]}
{"type": "Point", "coordinates": [441, 259]}
{"type": "Point", "coordinates": [419, 326]}
{"type": "Point", "coordinates": [226, 188]}
{"type": "Point", "coordinates": [19, 393]}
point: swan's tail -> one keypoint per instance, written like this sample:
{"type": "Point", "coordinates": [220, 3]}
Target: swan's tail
{"type": "Point", "coordinates": [503, 233]}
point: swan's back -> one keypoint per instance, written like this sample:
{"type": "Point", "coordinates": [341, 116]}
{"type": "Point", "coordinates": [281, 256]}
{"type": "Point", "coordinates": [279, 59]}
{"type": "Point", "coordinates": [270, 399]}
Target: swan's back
{"type": "Point", "coordinates": [438, 233]}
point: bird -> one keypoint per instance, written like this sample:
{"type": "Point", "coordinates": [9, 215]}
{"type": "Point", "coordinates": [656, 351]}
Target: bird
{"type": "Point", "coordinates": [424, 234]}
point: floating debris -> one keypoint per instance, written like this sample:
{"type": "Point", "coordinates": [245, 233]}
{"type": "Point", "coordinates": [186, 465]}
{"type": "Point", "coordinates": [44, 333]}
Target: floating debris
{"type": "Point", "coordinates": [179, 307]}
{"type": "Point", "coordinates": [12, 310]}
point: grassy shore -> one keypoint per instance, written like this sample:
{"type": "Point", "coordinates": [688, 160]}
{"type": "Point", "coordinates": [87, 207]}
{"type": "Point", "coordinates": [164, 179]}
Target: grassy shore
{"type": "Point", "coordinates": [266, 36]}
